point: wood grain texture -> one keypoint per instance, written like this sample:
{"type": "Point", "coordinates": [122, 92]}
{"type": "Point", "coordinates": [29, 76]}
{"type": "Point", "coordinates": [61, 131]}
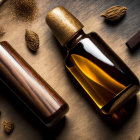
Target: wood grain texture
{"type": "Point", "coordinates": [30, 87]}
{"type": "Point", "coordinates": [82, 122]}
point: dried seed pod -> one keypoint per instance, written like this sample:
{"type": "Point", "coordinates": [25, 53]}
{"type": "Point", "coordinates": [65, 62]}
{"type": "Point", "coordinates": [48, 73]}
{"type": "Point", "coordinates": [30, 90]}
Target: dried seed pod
{"type": "Point", "coordinates": [8, 126]}
{"type": "Point", "coordinates": [114, 13]}
{"type": "Point", "coordinates": [32, 40]}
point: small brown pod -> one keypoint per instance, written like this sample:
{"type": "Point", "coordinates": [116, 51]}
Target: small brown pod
{"type": "Point", "coordinates": [48, 106]}
{"type": "Point", "coordinates": [32, 40]}
{"type": "Point", "coordinates": [114, 13]}
{"type": "Point", "coordinates": [8, 126]}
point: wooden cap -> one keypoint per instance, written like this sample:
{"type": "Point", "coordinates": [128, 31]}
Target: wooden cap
{"type": "Point", "coordinates": [63, 24]}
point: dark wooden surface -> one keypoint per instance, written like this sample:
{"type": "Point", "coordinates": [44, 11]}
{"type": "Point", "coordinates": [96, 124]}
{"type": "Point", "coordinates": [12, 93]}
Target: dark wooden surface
{"type": "Point", "coordinates": [82, 122]}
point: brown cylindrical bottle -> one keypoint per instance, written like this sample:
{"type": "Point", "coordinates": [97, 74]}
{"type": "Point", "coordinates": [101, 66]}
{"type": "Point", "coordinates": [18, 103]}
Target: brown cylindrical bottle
{"type": "Point", "coordinates": [102, 74]}
{"type": "Point", "coordinates": [48, 106]}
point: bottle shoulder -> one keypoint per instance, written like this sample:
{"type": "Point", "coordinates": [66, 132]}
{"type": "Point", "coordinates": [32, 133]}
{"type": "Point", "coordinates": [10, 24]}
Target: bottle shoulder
{"type": "Point", "coordinates": [78, 45]}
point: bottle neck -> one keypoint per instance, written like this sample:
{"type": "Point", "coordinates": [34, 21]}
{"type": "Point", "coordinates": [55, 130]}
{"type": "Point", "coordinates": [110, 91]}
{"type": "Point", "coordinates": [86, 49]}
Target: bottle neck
{"type": "Point", "coordinates": [75, 38]}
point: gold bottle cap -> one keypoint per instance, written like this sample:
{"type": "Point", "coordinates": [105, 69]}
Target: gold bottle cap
{"type": "Point", "coordinates": [63, 24]}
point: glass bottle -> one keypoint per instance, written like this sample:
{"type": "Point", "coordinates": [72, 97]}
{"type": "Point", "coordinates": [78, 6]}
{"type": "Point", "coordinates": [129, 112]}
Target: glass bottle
{"type": "Point", "coordinates": [101, 73]}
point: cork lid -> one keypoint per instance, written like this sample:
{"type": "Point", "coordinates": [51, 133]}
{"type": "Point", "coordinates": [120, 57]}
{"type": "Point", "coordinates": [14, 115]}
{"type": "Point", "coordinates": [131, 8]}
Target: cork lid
{"type": "Point", "coordinates": [63, 24]}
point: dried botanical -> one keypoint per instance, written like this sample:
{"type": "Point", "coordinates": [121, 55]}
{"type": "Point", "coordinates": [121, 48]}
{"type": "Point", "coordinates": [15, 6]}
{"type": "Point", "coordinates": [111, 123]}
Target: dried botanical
{"type": "Point", "coordinates": [114, 13]}
{"type": "Point", "coordinates": [32, 40]}
{"type": "Point", "coordinates": [8, 126]}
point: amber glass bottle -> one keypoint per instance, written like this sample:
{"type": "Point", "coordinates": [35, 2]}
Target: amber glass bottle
{"type": "Point", "coordinates": [102, 74]}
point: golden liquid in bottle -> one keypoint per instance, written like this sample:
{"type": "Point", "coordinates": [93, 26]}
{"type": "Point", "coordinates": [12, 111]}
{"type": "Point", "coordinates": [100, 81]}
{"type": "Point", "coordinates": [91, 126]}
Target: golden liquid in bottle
{"type": "Point", "coordinates": [100, 72]}
{"type": "Point", "coordinates": [100, 86]}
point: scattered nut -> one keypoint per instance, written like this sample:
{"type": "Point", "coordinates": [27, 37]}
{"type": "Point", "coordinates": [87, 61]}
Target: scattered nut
{"type": "Point", "coordinates": [32, 40]}
{"type": "Point", "coordinates": [8, 126]}
{"type": "Point", "coordinates": [114, 13]}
